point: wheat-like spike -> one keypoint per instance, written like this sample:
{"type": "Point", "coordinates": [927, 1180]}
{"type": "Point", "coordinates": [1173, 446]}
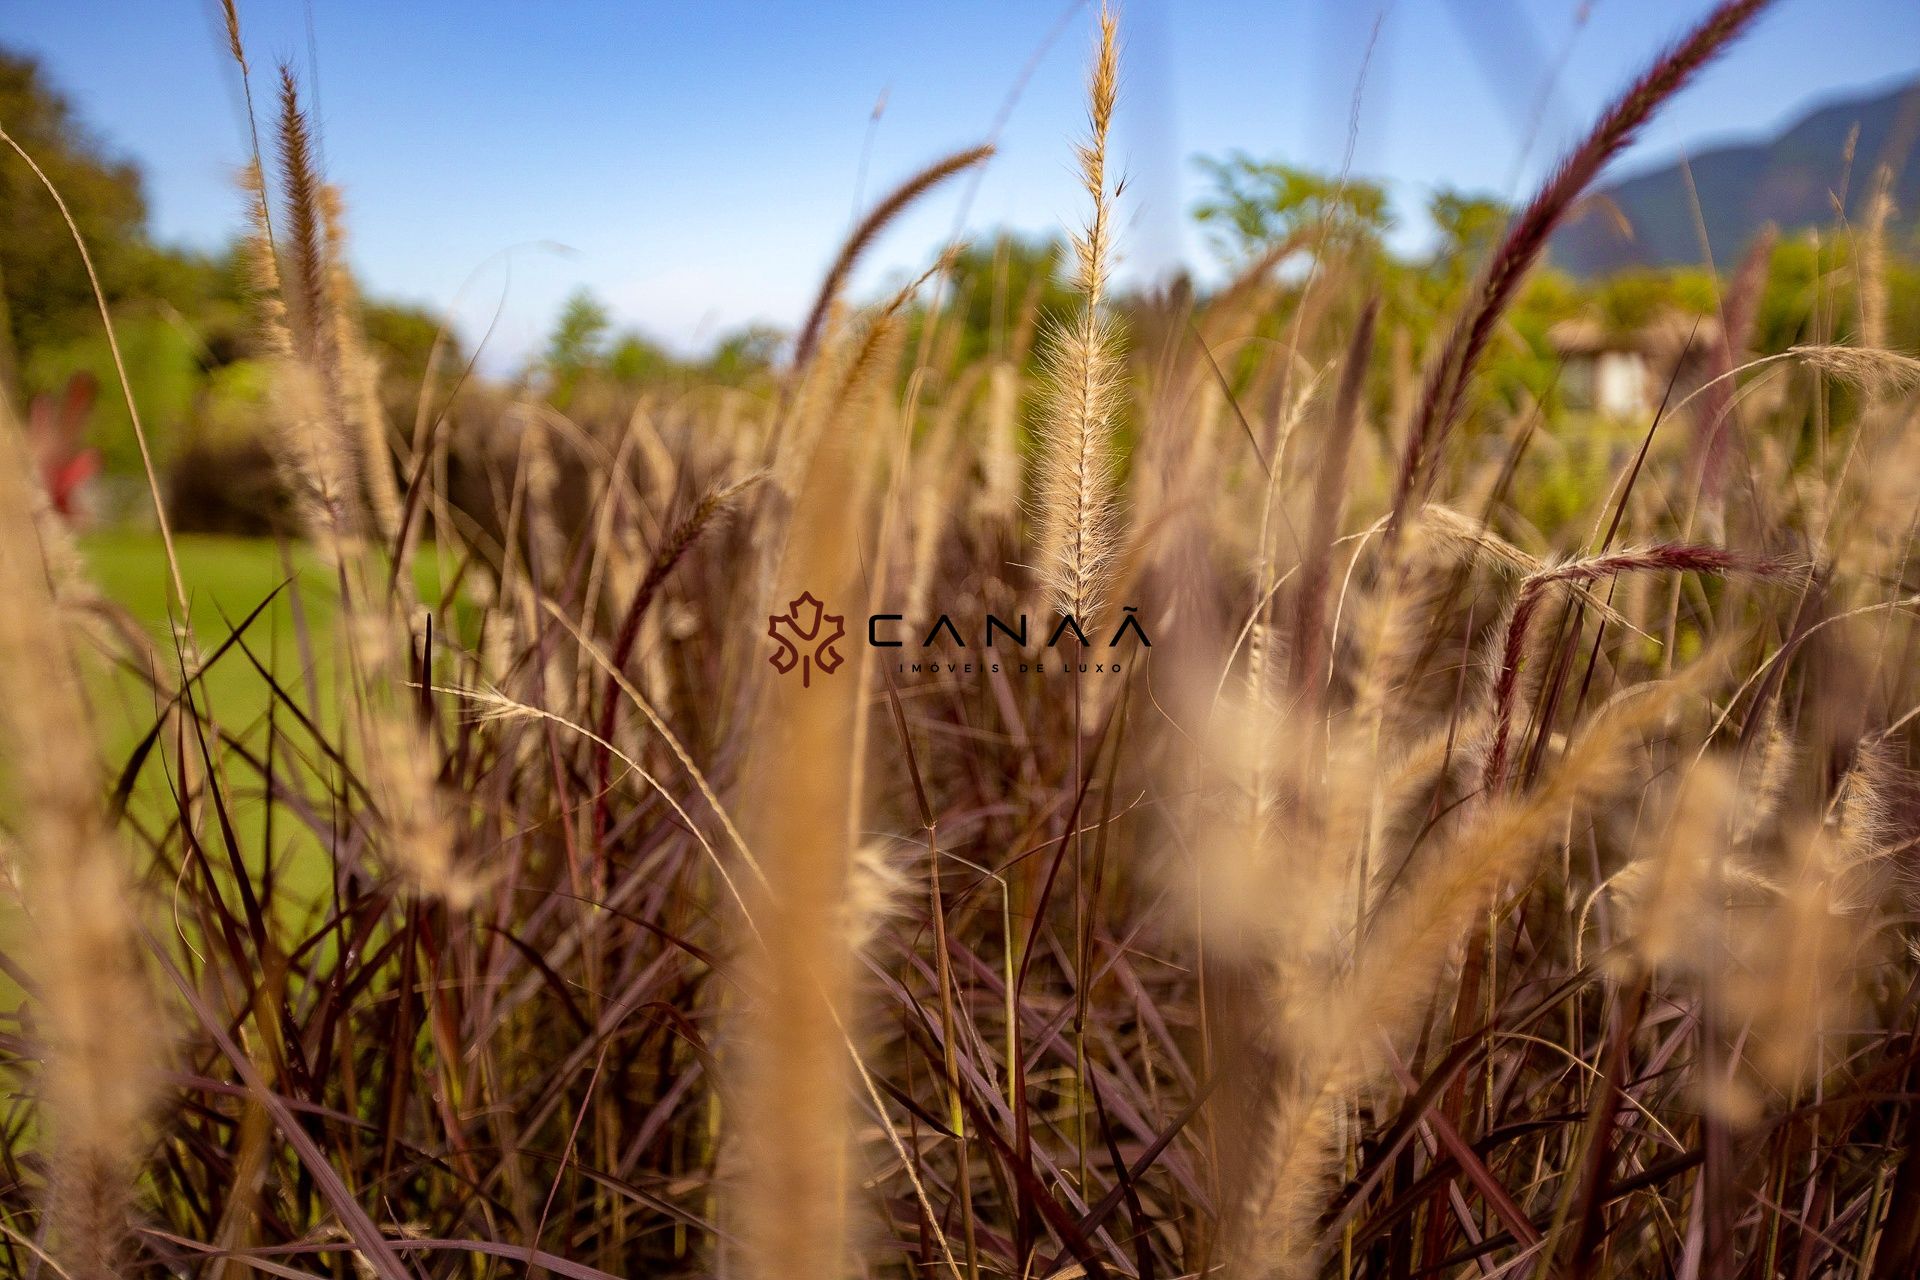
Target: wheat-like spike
{"type": "Point", "coordinates": [1803, 954]}
{"type": "Point", "coordinates": [793, 1201]}
{"type": "Point", "coordinates": [1473, 543]}
{"type": "Point", "coordinates": [1673, 884]}
{"type": "Point", "coordinates": [1866, 817]}
{"type": "Point", "coordinates": [1872, 259]}
{"type": "Point", "coordinates": [263, 268]}
{"type": "Point", "coordinates": [1332, 1023]}
{"type": "Point", "coordinates": [231, 13]}
{"type": "Point", "coordinates": [1864, 367]}
{"type": "Point", "coordinates": [360, 394]}
{"type": "Point", "coordinates": [1670, 557]}
{"type": "Point", "coordinates": [1083, 367]}
{"type": "Point", "coordinates": [326, 420]}
{"type": "Point", "coordinates": [259, 250]}
{"type": "Point", "coordinates": [237, 50]}
{"type": "Point", "coordinates": [1419, 927]}
{"type": "Point", "coordinates": [95, 1019]}
{"type": "Point", "coordinates": [312, 404]}
{"type": "Point", "coordinates": [815, 325]}
{"type": "Point", "coordinates": [848, 371]}
{"type": "Point", "coordinates": [306, 289]}
{"type": "Point", "coordinates": [1526, 238]}
{"type": "Point", "coordinates": [1762, 795]}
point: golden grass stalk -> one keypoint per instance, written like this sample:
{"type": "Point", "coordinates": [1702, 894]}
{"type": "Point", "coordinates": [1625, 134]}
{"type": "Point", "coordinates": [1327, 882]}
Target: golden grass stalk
{"type": "Point", "coordinates": [263, 265]}
{"type": "Point", "coordinates": [1526, 239]}
{"type": "Point", "coordinates": [305, 274]}
{"type": "Point", "coordinates": [791, 1200]}
{"type": "Point", "coordinates": [1328, 1031]}
{"type": "Point", "coordinates": [360, 375]}
{"type": "Point", "coordinates": [1672, 888]}
{"type": "Point", "coordinates": [1773, 770]}
{"type": "Point", "coordinates": [322, 388]}
{"type": "Point", "coordinates": [95, 1020]}
{"type": "Point", "coordinates": [1873, 259]}
{"type": "Point", "coordinates": [1418, 929]}
{"type": "Point", "coordinates": [1667, 557]}
{"type": "Point", "coordinates": [998, 499]}
{"type": "Point", "coordinates": [814, 328]}
{"type": "Point", "coordinates": [1076, 498]}
{"type": "Point", "coordinates": [1863, 367]}
{"type": "Point", "coordinates": [1800, 957]}
{"type": "Point", "coordinates": [311, 402]}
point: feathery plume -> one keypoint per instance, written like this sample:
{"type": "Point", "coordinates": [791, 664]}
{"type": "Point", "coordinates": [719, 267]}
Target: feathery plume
{"type": "Point", "coordinates": [1083, 366]}
{"type": "Point", "coordinates": [1329, 495]}
{"type": "Point", "coordinates": [1861, 366]}
{"type": "Point", "coordinates": [864, 235]}
{"type": "Point", "coordinates": [306, 290]}
{"type": "Point", "coordinates": [95, 1019]}
{"type": "Point", "coordinates": [1872, 259]}
{"type": "Point", "coordinates": [792, 1201]}
{"type": "Point", "coordinates": [1526, 238]}
{"type": "Point", "coordinates": [360, 374]}
{"type": "Point", "coordinates": [1738, 308]}
{"type": "Point", "coordinates": [1673, 557]}
{"type": "Point", "coordinates": [1671, 888]}
{"type": "Point", "coordinates": [263, 266]}
{"type": "Point", "coordinates": [715, 505]}
{"type": "Point", "coordinates": [309, 389]}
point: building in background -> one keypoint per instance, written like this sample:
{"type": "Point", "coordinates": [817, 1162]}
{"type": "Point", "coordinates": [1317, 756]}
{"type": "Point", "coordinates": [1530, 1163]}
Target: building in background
{"type": "Point", "coordinates": [1624, 373]}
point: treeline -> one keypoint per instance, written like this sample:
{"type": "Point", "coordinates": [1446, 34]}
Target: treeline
{"type": "Point", "coordinates": [185, 320]}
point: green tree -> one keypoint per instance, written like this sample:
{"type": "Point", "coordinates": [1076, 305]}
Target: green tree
{"type": "Point", "coordinates": [44, 295]}
{"type": "Point", "coordinates": [1257, 203]}
{"type": "Point", "coordinates": [403, 337]}
{"type": "Point", "coordinates": [576, 345]}
{"type": "Point", "coordinates": [634, 360]}
{"type": "Point", "coordinates": [999, 286]}
{"type": "Point", "coordinates": [1629, 301]}
{"type": "Point", "coordinates": [744, 354]}
{"type": "Point", "coordinates": [1469, 226]}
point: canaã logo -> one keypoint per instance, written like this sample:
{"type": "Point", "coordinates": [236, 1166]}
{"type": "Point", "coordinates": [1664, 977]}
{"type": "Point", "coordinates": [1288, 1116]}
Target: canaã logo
{"type": "Point", "coordinates": [806, 633]}
{"type": "Point", "coordinates": [807, 636]}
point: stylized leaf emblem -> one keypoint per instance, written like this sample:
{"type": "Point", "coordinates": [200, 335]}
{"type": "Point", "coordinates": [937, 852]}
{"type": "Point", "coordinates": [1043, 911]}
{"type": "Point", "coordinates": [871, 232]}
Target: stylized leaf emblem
{"type": "Point", "coordinates": [806, 633]}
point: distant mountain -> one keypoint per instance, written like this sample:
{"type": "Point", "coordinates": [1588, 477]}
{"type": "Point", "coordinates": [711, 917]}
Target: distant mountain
{"type": "Point", "coordinates": [1791, 180]}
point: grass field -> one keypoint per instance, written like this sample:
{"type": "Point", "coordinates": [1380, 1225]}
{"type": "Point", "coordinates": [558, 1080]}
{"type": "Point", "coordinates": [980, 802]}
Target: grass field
{"type": "Point", "coordinates": [293, 637]}
{"type": "Point", "coordinates": [228, 578]}
{"type": "Point", "coordinates": [1500, 860]}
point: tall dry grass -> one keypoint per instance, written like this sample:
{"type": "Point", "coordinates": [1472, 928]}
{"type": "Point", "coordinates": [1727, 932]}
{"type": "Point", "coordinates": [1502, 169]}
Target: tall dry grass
{"type": "Point", "coordinates": [1445, 889]}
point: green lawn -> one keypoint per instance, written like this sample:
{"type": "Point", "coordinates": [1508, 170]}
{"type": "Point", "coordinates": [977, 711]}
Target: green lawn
{"type": "Point", "coordinates": [226, 579]}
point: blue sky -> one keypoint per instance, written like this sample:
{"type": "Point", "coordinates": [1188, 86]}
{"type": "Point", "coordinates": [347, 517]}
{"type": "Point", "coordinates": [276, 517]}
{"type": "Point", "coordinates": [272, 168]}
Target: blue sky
{"type": "Point", "coordinates": [695, 162]}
